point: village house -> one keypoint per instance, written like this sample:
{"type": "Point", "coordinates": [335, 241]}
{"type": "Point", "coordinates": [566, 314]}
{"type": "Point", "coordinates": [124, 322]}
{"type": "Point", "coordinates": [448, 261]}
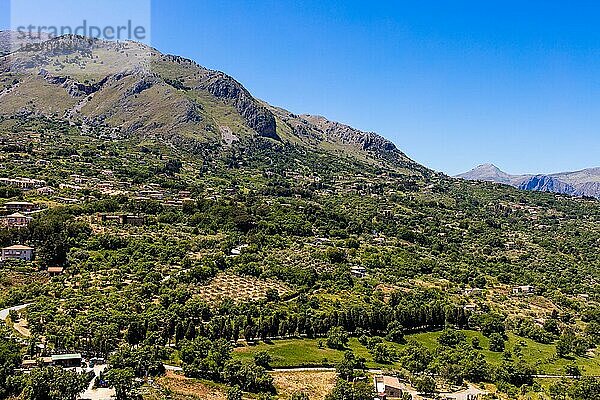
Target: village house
{"type": "Point", "coordinates": [470, 307]}
{"type": "Point", "coordinates": [358, 271]}
{"type": "Point", "coordinates": [238, 250]}
{"type": "Point", "coordinates": [472, 292]}
{"type": "Point", "coordinates": [122, 219]}
{"type": "Point", "coordinates": [526, 290]}
{"type": "Point", "coordinates": [29, 364]}
{"type": "Point", "coordinates": [16, 220]}
{"type": "Point", "coordinates": [153, 194]}
{"type": "Point", "coordinates": [387, 387]}
{"type": "Point", "coordinates": [19, 206]}
{"type": "Point", "coordinates": [17, 252]}
{"type": "Point", "coordinates": [67, 360]}
{"type": "Point", "coordinates": [45, 191]}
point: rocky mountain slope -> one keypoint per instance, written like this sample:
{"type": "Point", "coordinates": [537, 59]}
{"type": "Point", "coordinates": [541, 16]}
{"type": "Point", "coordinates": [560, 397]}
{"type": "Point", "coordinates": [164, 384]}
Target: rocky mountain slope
{"type": "Point", "coordinates": [579, 183]}
{"type": "Point", "coordinates": [128, 89]}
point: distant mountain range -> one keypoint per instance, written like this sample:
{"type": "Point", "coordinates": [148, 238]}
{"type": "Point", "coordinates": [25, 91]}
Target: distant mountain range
{"type": "Point", "coordinates": [580, 183]}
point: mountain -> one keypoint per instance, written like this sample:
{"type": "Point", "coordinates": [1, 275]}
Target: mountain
{"type": "Point", "coordinates": [487, 172]}
{"type": "Point", "coordinates": [579, 183]}
{"type": "Point", "coordinates": [131, 90]}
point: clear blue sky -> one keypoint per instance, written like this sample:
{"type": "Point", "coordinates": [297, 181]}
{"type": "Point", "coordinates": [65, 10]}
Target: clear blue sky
{"type": "Point", "coordinates": [452, 83]}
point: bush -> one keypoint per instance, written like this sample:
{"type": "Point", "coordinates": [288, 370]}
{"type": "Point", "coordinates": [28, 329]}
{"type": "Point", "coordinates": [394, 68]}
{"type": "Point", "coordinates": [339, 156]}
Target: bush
{"type": "Point", "coordinates": [497, 343]}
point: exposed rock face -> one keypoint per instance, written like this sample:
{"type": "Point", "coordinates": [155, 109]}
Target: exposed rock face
{"type": "Point", "coordinates": [126, 89]}
{"type": "Point", "coordinates": [579, 183]}
{"type": "Point", "coordinates": [590, 189]}
{"type": "Point", "coordinates": [349, 135]}
{"type": "Point", "coordinates": [74, 88]}
{"type": "Point", "coordinates": [542, 183]}
{"type": "Point", "coordinates": [256, 115]}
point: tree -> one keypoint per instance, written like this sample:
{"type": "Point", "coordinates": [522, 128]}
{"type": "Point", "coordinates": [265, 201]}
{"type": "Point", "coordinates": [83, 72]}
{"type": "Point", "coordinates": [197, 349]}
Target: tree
{"type": "Point", "coordinates": [263, 359]}
{"type": "Point", "coordinates": [383, 354]}
{"type": "Point", "coordinates": [248, 376]}
{"type": "Point", "coordinates": [395, 332]}
{"type": "Point", "coordinates": [497, 343]}
{"type": "Point", "coordinates": [272, 295]}
{"type": "Point", "coordinates": [10, 358]}
{"type": "Point", "coordinates": [347, 366]}
{"type": "Point", "coordinates": [425, 384]}
{"type": "Point", "coordinates": [347, 391]}
{"type": "Point", "coordinates": [53, 384]}
{"type": "Point", "coordinates": [451, 338]}
{"type": "Point", "coordinates": [585, 389]}
{"type": "Point", "coordinates": [573, 370]}
{"type": "Point", "coordinates": [563, 346]}
{"type": "Point", "coordinates": [122, 381]}
{"type": "Point", "coordinates": [415, 357]}
{"type": "Point", "coordinates": [337, 338]}
{"type": "Point", "coordinates": [234, 393]}
{"type": "Point", "coordinates": [558, 390]}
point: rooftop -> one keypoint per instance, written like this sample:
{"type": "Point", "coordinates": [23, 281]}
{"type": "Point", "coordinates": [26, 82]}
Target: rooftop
{"type": "Point", "coordinates": [18, 247]}
{"type": "Point", "coordinates": [17, 215]}
{"type": "Point", "coordinates": [61, 357]}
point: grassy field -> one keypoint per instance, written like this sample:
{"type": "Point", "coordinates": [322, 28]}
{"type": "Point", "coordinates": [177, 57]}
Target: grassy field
{"type": "Point", "coordinates": [308, 353]}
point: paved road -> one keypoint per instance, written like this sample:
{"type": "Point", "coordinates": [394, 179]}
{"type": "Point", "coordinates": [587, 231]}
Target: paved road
{"type": "Point", "coordinates": [319, 369]}
{"type": "Point", "coordinates": [4, 313]}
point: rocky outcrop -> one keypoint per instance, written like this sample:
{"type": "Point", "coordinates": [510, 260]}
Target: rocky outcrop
{"type": "Point", "coordinates": [589, 189]}
{"type": "Point", "coordinates": [74, 88]}
{"type": "Point", "coordinates": [543, 183]}
{"type": "Point", "coordinates": [257, 116]}
{"type": "Point", "coordinates": [350, 136]}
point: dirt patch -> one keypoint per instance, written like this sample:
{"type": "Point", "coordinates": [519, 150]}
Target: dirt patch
{"type": "Point", "coordinates": [23, 328]}
{"type": "Point", "coordinates": [181, 385]}
{"type": "Point", "coordinates": [316, 384]}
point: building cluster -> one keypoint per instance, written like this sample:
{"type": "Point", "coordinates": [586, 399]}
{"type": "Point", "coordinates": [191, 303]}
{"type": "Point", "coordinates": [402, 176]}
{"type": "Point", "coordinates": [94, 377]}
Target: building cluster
{"type": "Point", "coordinates": [73, 360]}
{"type": "Point", "coordinates": [390, 387]}
{"type": "Point", "coordinates": [23, 183]}
{"type": "Point", "coordinates": [15, 214]}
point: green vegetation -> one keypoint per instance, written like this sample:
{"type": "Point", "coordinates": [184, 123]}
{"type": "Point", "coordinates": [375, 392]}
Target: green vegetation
{"type": "Point", "coordinates": [194, 224]}
{"type": "Point", "coordinates": [308, 353]}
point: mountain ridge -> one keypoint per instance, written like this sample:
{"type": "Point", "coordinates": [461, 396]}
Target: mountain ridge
{"type": "Point", "coordinates": [585, 182]}
{"type": "Point", "coordinates": [98, 85]}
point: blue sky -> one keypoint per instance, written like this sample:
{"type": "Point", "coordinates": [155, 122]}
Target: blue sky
{"type": "Point", "coordinates": [452, 83]}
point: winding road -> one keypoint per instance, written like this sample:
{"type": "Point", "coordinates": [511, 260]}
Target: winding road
{"type": "Point", "coordinates": [4, 313]}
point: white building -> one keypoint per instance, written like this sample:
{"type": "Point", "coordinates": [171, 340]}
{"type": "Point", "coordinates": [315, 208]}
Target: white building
{"type": "Point", "coordinates": [17, 252]}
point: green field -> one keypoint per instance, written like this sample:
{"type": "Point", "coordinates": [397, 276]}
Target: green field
{"type": "Point", "coordinates": [306, 353]}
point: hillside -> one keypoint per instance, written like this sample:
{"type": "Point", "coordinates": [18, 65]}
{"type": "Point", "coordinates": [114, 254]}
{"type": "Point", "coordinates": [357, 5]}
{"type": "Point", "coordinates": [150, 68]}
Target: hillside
{"type": "Point", "coordinates": [580, 183]}
{"type": "Point", "coordinates": [129, 89]}
{"type": "Point", "coordinates": [166, 216]}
